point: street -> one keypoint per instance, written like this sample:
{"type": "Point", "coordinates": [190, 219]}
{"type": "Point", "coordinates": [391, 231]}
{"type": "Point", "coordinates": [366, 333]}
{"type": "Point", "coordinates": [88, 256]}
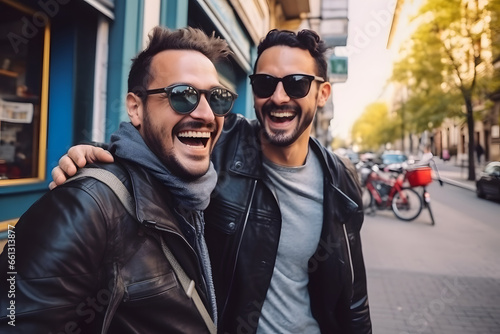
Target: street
{"type": "Point", "coordinates": [435, 279]}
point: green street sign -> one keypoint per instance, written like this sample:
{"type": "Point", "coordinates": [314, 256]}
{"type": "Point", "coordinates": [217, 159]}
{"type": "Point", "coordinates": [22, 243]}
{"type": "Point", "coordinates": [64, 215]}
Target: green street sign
{"type": "Point", "coordinates": [337, 69]}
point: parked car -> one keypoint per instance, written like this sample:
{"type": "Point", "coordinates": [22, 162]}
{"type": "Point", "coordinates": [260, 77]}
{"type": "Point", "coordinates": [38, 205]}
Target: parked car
{"type": "Point", "coordinates": [488, 184]}
{"type": "Point", "coordinates": [394, 158]}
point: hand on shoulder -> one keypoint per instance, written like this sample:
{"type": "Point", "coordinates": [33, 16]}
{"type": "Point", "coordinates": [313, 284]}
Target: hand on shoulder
{"type": "Point", "coordinates": [78, 156]}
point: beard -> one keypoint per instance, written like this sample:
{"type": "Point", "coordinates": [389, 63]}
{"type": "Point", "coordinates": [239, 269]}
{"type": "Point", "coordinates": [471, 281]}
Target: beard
{"type": "Point", "coordinates": [153, 138]}
{"type": "Point", "coordinates": [279, 137]}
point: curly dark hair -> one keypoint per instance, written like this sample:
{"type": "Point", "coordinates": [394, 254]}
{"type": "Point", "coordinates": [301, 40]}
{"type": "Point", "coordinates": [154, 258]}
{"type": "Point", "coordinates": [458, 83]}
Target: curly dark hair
{"type": "Point", "coordinates": [161, 39]}
{"type": "Point", "coordinates": [304, 39]}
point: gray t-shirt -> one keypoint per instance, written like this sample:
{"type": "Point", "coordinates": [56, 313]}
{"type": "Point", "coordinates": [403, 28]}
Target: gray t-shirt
{"type": "Point", "coordinates": [299, 190]}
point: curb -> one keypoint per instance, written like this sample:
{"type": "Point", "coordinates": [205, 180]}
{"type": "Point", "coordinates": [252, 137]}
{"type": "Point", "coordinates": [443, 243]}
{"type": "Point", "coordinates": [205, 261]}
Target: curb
{"type": "Point", "coordinates": [458, 184]}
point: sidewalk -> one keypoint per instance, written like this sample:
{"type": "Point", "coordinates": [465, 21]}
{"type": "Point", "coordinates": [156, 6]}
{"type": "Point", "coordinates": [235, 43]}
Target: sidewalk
{"type": "Point", "coordinates": [454, 174]}
{"type": "Point", "coordinates": [441, 279]}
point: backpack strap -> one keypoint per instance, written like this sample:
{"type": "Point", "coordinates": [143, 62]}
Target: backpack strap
{"type": "Point", "coordinates": [119, 189]}
{"type": "Point", "coordinates": [113, 182]}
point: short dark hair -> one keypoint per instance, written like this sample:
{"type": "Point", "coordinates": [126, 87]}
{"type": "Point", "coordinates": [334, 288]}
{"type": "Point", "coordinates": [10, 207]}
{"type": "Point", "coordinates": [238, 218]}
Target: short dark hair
{"type": "Point", "coordinates": [161, 39]}
{"type": "Point", "coordinates": [304, 39]}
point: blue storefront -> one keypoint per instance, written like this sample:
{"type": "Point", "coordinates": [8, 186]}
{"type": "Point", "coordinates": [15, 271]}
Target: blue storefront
{"type": "Point", "coordinates": [64, 68]}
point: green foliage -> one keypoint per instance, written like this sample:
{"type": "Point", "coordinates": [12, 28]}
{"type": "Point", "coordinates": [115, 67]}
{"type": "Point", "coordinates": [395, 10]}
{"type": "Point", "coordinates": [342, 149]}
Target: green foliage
{"type": "Point", "coordinates": [494, 9]}
{"type": "Point", "coordinates": [448, 63]}
{"type": "Point", "coordinates": [446, 60]}
{"type": "Point", "coordinates": [374, 128]}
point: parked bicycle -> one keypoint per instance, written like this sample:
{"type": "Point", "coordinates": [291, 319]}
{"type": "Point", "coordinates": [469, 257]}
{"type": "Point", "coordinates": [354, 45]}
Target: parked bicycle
{"type": "Point", "coordinates": [421, 177]}
{"type": "Point", "coordinates": [397, 189]}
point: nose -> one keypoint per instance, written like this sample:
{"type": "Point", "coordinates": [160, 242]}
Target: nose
{"type": "Point", "coordinates": [280, 96]}
{"type": "Point", "coordinates": [203, 110]}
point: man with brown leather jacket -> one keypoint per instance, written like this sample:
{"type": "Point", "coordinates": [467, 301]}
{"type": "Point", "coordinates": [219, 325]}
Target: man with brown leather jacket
{"type": "Point", "coordinates": [81, 263]}
{"type": "Point", "coordinates": [283, 224]}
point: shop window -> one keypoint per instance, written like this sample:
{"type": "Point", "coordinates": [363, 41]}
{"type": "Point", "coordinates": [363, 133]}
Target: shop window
{"type": "Point", "coordinates": [24, 45]}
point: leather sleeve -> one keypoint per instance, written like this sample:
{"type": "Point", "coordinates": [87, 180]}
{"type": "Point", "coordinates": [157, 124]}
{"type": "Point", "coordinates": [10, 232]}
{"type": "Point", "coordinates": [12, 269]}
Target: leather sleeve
{"type": "Point", "coordinates": [59, 247]}
{"type": "Point", "coordinates": [360, 312]}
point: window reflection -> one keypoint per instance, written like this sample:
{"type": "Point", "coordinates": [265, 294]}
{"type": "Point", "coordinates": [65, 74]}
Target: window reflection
{"type": "Point", "coordinates": [22, 38]}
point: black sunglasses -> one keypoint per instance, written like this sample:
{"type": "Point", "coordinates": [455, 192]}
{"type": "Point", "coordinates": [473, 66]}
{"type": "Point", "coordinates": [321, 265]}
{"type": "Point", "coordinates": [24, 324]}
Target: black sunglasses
{"type": "Point", "coordinates": [296, 85]}
{"type": "Point", "coordinates": [184, 98]}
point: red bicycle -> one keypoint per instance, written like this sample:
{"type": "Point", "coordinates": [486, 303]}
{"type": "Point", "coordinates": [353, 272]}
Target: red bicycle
{"type": "Point", "coordinates": [382, 192]}
{"type": "Point", "coordinates": [389, 192]}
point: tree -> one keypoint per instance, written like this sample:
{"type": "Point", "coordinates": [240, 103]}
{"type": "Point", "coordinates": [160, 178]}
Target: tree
{"type": "Point", "coordinates": [374, 128]}
{"type": "Point", "coordinates": [448, 58]}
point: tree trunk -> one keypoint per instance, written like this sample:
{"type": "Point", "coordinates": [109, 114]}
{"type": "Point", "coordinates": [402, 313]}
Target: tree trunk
{"type": "Point", "coordinates": [470, 127]}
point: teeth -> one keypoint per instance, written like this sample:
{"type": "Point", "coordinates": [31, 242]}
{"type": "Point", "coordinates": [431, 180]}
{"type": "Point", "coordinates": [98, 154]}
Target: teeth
{"type": "Point", "coordinates": [194, 134]}
{"type": "Point", "coordinates": [281, 114]}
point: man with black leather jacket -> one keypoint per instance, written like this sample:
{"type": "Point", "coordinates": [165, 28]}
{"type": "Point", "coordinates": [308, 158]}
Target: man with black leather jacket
{"type": "Point", "coordinates": [80, 262]}
{"type": "Point", "coordinates": [283, 225]}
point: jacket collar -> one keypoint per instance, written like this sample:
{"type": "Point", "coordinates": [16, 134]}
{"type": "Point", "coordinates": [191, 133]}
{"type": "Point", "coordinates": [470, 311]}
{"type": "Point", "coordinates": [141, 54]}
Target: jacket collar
{"type": "Point", "coordinates": [247, 159]}
{"type": "Point", "coordinates": [335, 180]}
{"type": "Point", "coordinates": [153, 200]}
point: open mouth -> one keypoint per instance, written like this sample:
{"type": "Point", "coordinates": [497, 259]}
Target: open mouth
{"type": "Point", "coordinates": [194, 138]}
{"type": "Point", "coordinates": [281, 116]}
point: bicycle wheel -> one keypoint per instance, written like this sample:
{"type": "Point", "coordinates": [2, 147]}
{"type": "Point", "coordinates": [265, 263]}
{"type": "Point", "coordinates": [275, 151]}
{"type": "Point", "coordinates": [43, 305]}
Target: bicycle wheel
{"type": "Point", "coordinates": [407, 204]}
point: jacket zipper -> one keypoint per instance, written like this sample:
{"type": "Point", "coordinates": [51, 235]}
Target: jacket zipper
{"type": "Point", "coordinates": [349, 253]}
{"type": "Point", "coordinates": [247, 214]}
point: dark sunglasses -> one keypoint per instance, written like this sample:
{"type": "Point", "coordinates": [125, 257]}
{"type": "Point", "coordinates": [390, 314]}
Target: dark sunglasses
{"type": "Point", "coordinates": [296, 85]}
{"type": "Point", "coordinates": [184, 98]}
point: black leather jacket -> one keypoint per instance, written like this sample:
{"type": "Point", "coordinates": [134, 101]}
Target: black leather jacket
{"type": "Point", "coordinates": [243, 224]}
{"type": "Point", "coordinates": [79, 256]}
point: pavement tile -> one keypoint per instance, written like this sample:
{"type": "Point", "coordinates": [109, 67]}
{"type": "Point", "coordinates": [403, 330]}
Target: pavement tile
{"type": "Point", "coordinates": [407, 302]}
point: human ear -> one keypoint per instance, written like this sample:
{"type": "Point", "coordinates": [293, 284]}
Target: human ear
{"type": "Point", "coordinates": [325, 90]}
{"type": "Point", "coordinates": [134, 109]}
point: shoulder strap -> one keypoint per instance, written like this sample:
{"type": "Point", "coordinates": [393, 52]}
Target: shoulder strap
{"type": "Point", "coordinates": [112, 181]}
{"type": "Point", "coordinates": [188, 286]}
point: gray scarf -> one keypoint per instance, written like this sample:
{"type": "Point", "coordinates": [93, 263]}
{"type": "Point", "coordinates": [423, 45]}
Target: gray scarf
{"type": "Point", "coordinates": [193, 195]}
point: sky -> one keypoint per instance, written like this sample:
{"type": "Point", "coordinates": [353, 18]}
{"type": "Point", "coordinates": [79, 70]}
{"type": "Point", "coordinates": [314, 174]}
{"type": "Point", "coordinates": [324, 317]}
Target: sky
{"type": "Point", "coordinates": [369, 61]}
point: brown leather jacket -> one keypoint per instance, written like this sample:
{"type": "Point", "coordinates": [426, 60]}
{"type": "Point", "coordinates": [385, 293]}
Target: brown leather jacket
{"type": "Point", "coordinates": [84, 264]}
